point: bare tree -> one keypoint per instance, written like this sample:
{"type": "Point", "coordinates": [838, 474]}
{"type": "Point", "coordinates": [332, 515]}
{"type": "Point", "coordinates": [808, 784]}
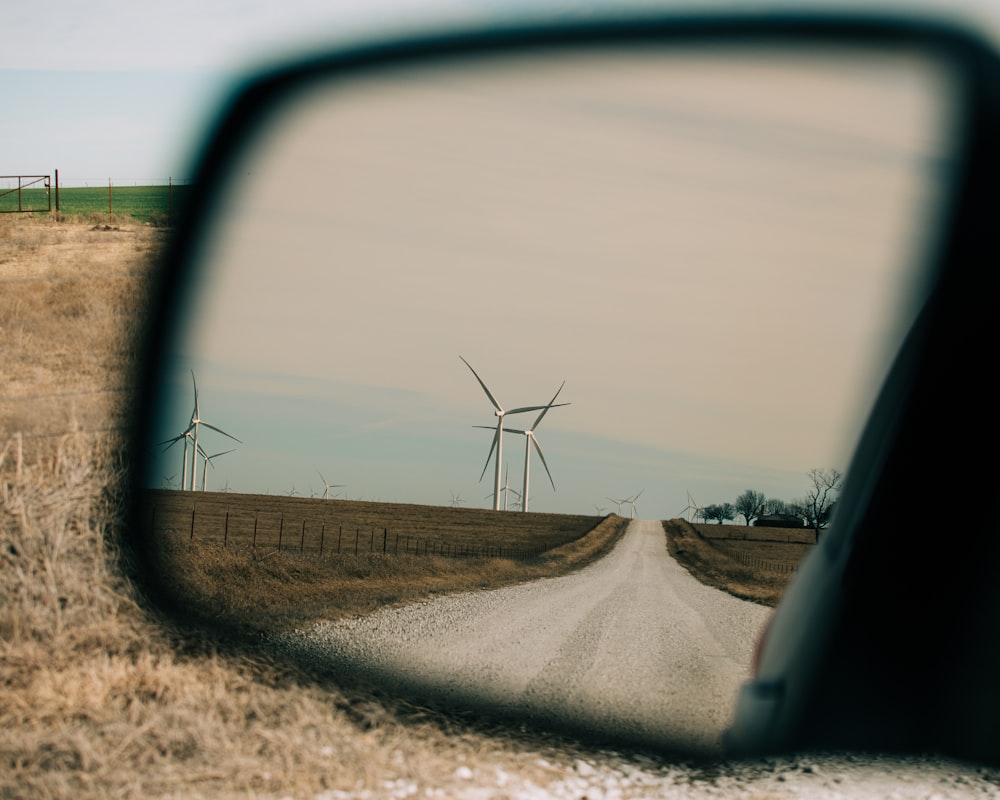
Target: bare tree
{"type": "Point", "coordinates": [751, 505]}
{"type": "Point", "coordinates": [718, 512]}
{"type": "Point", "coordinates": [774, 506]}
{"type": "Point", "coordinates": [817, 506]}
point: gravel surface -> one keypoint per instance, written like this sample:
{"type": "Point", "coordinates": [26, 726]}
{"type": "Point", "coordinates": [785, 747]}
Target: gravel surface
{"type": "Point", "coordinates": [631, 646]}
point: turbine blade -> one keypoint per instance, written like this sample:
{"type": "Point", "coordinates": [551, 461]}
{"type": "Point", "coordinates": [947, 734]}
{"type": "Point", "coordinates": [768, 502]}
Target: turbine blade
{"type": "Point", "coordinates": [489, 394]}
{"type": "Point", "coordinates": [490, 455]}
{"type": "Point", "coordinates": [526, 408]}
{"type": "Point", "coordinates": [538, 447]}
{"type": "Point", "coordinates": [171, 442]}
{"type": "Point", "coordinates": [546, 409]}
{"type": "Point", "coordinates": [216, 455]}
{"type": "Point", "coordinates": [219, 430]}
{"type": "Point", "coordinates": [194, 414]}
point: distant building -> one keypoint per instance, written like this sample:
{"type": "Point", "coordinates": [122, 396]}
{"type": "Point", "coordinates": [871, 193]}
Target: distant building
{"type": "Point", "coordinates": [779, 521]}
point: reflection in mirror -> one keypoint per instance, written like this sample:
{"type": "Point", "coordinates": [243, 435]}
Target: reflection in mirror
{"type": "Point", "coordinates": [718, 252]}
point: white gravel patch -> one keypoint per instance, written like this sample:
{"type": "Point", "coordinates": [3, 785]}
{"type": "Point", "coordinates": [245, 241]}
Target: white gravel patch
{"type": "Point", "coordinates": [610, 776]}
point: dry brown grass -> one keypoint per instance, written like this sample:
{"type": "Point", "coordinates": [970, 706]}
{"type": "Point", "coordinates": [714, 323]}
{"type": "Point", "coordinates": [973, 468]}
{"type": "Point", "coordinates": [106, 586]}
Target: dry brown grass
{"type": "Point", "coordinates": [734, 562]}
{"type": "Point", "coordinates": [254, 562]}
{"type": "Point", "coordinates": [70, 300]}
{"type": "Point", "coordinates": [265, 590]}
{"type": "Point", "coordinates": [98, 697]}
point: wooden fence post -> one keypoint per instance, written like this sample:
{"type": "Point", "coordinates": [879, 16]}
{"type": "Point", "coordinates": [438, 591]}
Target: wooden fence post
{"type": "Point", "coordinates": [193, 507]}
{"type": "Point", "coordinates": [256, 516]}
{"type": "Point", "coordinates": [302, 541]}
{"type": "Point", "coordinates": [281, 530]}
{"type": "Point", "coordinates": [225, 535]}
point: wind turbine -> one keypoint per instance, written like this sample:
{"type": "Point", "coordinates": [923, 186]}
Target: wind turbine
{"type": "Point", "coordinates": [599, 510]}
{"type": "Point", "coordinates": [506, 483]}
{"type": "Point", "coordinates": [692, 506]}
{"type": "Point", "coordinates": [193, 426]}
{"type": "Point", "coordinates": [498, 435]}
{"type": "Point", "coordinates": [186, 436]}
{"type": "Point", "coordinates": [631, 502]}
{"type": "Point", "coordinates": [456, 500]}
{"type": "Point", "coordinates": [208, 463]}
{"type": "Point", "coordinates": [619, 503]}
{"type": "Point", "coordinates": [519, 500]}
{"type": "Point", "coordinates": [327, 486]}
{"type": "Point", "coordinates": [531, 439]}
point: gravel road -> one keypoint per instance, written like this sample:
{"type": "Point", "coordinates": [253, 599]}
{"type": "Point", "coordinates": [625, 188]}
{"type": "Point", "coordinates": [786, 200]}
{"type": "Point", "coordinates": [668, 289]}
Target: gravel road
{"type": "Point", "coordinates": [632, 646]}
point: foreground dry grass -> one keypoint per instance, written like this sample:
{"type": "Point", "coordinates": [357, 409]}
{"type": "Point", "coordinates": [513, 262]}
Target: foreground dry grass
{"type": "Point", "coordinates": [99, 697]}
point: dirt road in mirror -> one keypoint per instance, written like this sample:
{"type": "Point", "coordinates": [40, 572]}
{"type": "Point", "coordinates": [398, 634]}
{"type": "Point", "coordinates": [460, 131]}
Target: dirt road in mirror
{"type": "Point", "coordinates": [631, 646]}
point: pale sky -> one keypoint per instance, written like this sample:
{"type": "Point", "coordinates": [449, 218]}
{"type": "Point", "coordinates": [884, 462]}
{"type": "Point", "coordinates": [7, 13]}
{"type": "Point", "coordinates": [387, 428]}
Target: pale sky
{"type": "Point", "coordinates": [712, 251]}
{"type": "Point", "coordinates": [124, 90]}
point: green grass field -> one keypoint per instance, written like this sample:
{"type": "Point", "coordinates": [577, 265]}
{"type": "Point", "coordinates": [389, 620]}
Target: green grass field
{"type": "Point", "coordinates": [152, 204]}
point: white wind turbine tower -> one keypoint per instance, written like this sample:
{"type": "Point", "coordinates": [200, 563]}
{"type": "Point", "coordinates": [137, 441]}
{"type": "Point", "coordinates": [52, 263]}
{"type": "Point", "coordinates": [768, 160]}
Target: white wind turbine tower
{"type": "Point", "coordinates": [207, 462]}
{"type": "Point", "coordinates": [327, 486]}
{"type": "Point", "coordinates": [529, 440]}
{"type": "Point", "coordinates": [498, 435]}
{"type": "Point", "coordinates": [193, 426]}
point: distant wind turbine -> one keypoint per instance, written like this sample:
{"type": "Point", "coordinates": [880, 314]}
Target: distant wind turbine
{"type": "Point", "coordinates": [631, 502]}
{"type": "Point", "coordinates": [506, 483]}
{"type": "Point", "coordinates": [691, 507]}
{"type": "Point", "coordinates": [208, 463]}
{"type": "Point", "coordinates": [327, 486]}
{"type": "Point", "coordinates": [599, 510]}
{"type": "Point", "coordinates": [498, 435]}
{"type": "Point", "coordinates": [529, 440]}
{"type": "Point", "coordinates": [619, 504]}
{"type": "Point", "coordinates": [519, 500]}
{"type": "Point", "coordinates": [193, 425]}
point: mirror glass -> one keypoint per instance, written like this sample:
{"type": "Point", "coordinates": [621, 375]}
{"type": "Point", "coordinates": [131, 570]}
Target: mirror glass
{"type": "Point", "coordinates": [717, 251]}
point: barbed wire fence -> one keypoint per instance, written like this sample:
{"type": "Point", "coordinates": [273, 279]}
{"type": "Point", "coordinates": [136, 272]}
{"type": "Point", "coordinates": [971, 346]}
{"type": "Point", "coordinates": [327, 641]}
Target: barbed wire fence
{"type": "Point", "coordinates": [234, 526]}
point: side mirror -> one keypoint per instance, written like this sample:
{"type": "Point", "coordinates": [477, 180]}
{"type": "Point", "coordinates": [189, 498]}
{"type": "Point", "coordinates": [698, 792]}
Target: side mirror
{"type": "Point", "coordinates": [718, 233]}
